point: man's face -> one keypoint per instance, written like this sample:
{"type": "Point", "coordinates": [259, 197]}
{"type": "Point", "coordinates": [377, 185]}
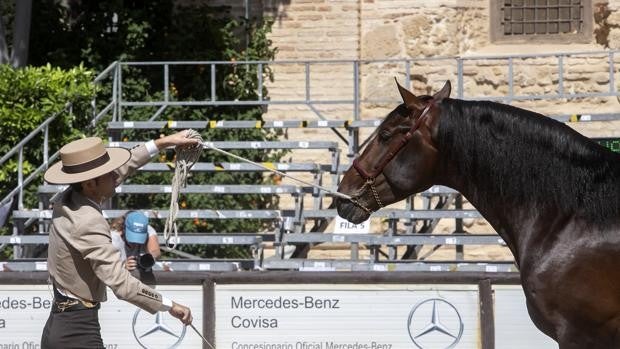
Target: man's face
{"type": "Point", "coordinates": [106, 184]}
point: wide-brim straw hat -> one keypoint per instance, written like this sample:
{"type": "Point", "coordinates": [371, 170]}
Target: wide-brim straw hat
{"type": "Point", "coordinates": [85, 159]}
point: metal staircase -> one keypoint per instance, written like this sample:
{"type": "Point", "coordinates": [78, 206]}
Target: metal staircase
{"type": "Point", "coordinates": [306, 205]}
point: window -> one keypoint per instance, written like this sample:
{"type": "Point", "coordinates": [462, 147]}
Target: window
{"type": "Point", "coordinates": [541, 20]}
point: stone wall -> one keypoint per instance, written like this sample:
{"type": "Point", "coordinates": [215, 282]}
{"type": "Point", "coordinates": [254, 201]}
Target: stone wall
{"type": "Point", "coordinates": [381, 32]}
{"type": "Point", "coordinates": [372, 30]}
{"type": "Point", "coordinates": [308, 30]}
{"type": "Point", "coordinates": [406, 29]}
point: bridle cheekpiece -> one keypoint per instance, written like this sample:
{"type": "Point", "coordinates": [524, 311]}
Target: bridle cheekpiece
{"type": "Point", "coordinates": [370, 176]}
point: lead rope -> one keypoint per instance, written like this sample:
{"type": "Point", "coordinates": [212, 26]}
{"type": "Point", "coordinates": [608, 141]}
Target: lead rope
{"type": "Point", "coordinates": [201, 336]}
{"type": "Point", "coordinates": [185, 159]}
{"type": "Point", "coordinates": [334, 193]}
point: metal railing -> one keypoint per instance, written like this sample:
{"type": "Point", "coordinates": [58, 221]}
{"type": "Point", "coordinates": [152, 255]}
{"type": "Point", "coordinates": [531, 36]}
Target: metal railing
{"type": "Point", "coordinates": [456, 69]}
{"type": "Point", "coordinates": [19, 150]}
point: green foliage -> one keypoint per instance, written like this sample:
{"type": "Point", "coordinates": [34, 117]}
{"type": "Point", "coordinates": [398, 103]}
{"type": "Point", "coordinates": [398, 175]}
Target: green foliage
{"type": "Point", "coordinates": [31, 95]}
{"type": "Point", "coordinates": [97, 33]}
{"type": "Point", "coordinates": [236, 82]}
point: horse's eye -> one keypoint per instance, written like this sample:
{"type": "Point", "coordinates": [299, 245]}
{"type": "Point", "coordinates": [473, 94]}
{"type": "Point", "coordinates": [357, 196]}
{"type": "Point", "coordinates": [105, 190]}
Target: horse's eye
{"type": "Point", "coordinates": [384, 135]}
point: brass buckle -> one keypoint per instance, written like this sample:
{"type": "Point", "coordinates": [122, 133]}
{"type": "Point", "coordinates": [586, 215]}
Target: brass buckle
{"type": "Point", "coordinates": [88, 304]}
{"type": "Point", "coordinates": [62, 306]}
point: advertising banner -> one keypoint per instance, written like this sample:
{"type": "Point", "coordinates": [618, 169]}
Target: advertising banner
{"type": "Point", "coordinates": [320, 316]}
{"type": "Point", "coordinates": [24, 309]}
{"type": "Point", "coordinates": [513, 327]}
{"type": "Point", "coordinates": [293, 315]}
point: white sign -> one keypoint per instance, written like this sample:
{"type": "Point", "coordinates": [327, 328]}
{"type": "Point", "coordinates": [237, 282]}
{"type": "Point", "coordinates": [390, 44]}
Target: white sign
{"type": "Point", "coordinates": [320, 316]}
{"type": "Point", "coordinates": [513, 327]}
{"type": "Point", "coordinates": [24, 309]}
{"type": "Point", "coordinates": [345, 227]}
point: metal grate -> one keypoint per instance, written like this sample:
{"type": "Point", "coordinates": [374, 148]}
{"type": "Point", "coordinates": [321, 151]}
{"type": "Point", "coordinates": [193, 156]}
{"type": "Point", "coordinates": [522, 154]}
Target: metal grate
{"type": "Point", "coordinates": [542, 17]}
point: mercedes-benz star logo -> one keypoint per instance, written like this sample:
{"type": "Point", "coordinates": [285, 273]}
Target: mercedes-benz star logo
{"type": "Point", "coordinates": [151, 330]}
{"type": "Point", "coordinates": [428, 331]}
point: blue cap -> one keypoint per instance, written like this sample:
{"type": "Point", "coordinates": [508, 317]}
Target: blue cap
{"type": "Point", "coordinates": [136, 227]}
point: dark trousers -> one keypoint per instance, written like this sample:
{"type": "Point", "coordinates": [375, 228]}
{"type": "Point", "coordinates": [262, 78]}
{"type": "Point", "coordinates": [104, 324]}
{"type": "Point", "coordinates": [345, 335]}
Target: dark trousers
{"type": "Point", "coordinates": [72, 330]}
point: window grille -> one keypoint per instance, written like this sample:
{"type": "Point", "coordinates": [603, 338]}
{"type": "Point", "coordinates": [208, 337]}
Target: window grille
{"type": "Point", "coordinates": [541, 19]}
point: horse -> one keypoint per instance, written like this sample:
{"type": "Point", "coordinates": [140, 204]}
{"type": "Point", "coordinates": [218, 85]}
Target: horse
{"type": "Point", "coordinates": [552, 194]}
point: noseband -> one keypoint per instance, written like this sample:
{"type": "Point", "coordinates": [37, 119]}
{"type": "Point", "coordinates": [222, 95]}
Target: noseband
{"type": "Point", "coordinates": [370, 176]}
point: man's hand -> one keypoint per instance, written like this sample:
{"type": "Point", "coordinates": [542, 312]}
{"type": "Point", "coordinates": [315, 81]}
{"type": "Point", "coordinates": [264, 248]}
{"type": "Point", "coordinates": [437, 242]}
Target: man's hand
{"type": "Point", "coordinates": [131, 263]}
{"type": "Point", "coordinates": [182, 313]}
{"type": "Point", "coordinates": [177, 139]}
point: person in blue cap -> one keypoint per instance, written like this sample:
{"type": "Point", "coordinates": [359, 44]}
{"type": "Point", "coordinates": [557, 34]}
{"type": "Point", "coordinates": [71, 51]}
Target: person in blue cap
{"type": "Point", "coordinates": [134, 237]}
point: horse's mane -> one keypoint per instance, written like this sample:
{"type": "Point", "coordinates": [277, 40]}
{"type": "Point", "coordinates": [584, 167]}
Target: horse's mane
{"type": "Point", "coordinates": [527, 159]}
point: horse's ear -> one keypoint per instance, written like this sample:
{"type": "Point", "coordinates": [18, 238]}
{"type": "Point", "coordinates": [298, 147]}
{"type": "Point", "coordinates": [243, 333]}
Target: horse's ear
{"type": "Point", "coordinates": [411, 101]}
{"type": "Point", "coordinates": [444, 93]}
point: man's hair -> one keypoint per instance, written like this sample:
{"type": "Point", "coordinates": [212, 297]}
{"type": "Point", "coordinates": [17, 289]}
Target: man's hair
{"type": "Point", "coordinates": [76, 187]}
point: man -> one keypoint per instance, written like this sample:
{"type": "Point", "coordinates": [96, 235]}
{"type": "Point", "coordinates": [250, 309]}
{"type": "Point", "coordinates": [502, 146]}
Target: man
{"type": "Point", "coordinates": [81, 258]}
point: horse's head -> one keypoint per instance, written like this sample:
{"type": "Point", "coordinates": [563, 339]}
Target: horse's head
{"type": "Point", "coordinates": [400, 160]}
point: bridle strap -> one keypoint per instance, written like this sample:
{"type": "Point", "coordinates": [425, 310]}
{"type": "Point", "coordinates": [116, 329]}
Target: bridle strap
{"type": "Point", "coordinates": [394, 147]}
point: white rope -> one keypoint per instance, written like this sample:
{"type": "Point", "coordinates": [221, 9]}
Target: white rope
{"type": "Point", "coordinates": [201, 336]}
{"type": "Point", "coordinates": [185, 159]}
{"type": "Point", "coordinates": [334, 193]}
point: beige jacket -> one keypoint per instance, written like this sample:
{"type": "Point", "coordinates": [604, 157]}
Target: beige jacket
{"type": "Point", "coordinates": [81, 257]}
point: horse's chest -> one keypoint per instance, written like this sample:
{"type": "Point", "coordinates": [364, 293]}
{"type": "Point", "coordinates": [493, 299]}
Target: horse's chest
{"type": "Point", "coordinates": [561, 281]}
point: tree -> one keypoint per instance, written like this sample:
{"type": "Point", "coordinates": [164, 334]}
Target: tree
{"type": "Point", "coordinates": [97, 33]}
{"type": "Point", "coordinates": [17, 53]}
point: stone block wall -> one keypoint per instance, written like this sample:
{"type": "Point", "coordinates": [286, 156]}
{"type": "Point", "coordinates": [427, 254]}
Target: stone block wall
{"type": "Point", "coordinates": [373, 30]}
{"type": "Point", "coordinates": [406, 29]}
{"type": "Point", "coordinates": [380, 32]}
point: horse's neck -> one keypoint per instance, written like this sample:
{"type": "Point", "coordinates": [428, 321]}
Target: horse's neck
{"type": "Point", "coordinates": [510, 220]}
{"type": "Point", "coordinates": [493, 171]}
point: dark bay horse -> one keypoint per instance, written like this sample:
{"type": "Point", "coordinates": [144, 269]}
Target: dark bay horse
{"type": "Point", "coordinates": [552, 194]}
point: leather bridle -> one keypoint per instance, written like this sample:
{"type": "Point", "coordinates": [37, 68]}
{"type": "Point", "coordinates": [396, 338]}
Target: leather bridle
{"type": "Point", "coordinates": [370, 176]}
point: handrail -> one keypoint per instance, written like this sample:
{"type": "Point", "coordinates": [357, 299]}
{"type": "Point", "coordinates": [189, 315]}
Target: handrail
{"type": "Point", "coordinates": [353, 97]}
{"type": "Point", "coordinates": [21, 183]}
{"type": "Point", "coordinates": [104, 73]}
{"type": "Point", "coordinates": [31, 135]}
{"type": "Point", "coordinates": [308, 99]}
{"type": "Point", "coordinates": [391, 60]}
{"type": "Point", "coordinates": [28, 179]}
{"type": "Point", "coordinates": [111, 70]}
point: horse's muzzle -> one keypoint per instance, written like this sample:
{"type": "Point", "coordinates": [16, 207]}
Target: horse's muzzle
{"type": "Point", "coordinates": [351, 212]}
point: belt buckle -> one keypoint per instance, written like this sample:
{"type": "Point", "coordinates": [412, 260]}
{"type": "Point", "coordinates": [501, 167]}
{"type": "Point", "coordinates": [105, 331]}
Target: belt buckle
{"type": "Point", "coordinates": [88, 304]}
{"type": "Point", "coordinates": [62, 306]}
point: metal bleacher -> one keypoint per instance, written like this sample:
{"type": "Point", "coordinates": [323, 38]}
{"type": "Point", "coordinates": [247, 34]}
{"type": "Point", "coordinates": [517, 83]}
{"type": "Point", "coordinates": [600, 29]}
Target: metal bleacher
{"type": "Point", "coordinates": [409, 227]}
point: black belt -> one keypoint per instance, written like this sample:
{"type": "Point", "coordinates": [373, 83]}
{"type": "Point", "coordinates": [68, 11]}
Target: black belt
{"type": "Point", "coordinates": [63, 303]}
{"type": "Point", "coordinates": [73, 305]}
